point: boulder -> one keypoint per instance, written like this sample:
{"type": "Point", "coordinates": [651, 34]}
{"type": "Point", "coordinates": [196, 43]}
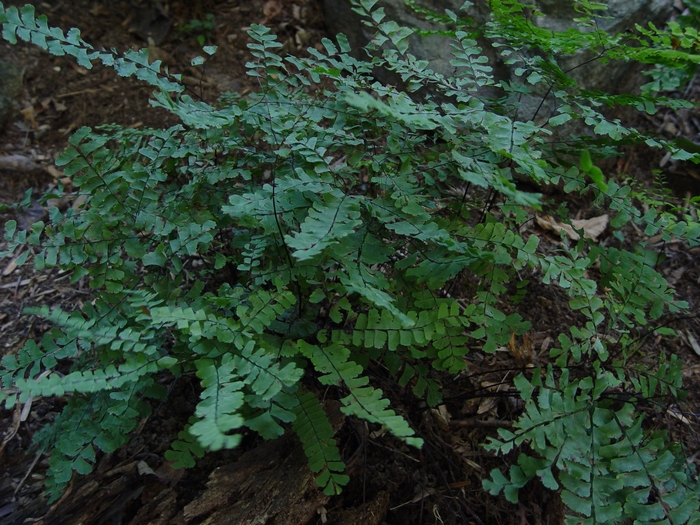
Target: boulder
{"type": "Point", "coordinates": [10, 89]}
{"type": "Point", "coordinates": [613, 77]}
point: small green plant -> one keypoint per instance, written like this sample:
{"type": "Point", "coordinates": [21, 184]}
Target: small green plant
{"type": "Point", "coordinates": [306, 231]}
{"type": "Point", "coordinates": [683, 36]}
{"type": "Point", "coordinates": [201, 28]}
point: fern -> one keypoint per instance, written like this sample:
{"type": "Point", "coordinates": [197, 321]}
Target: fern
{"type": "Point", "coordinates": [607, 468]}
{"type": "Point", "coordinates": [185, 448]}
{"type": "Point", "coordinates": [217, 411]}
{"type": "Point", "coordinates": [301, 230]}
{"type": "Point", "coordinates": [316, 434]}
{"type": "Point", "coordinates": [363, 400]}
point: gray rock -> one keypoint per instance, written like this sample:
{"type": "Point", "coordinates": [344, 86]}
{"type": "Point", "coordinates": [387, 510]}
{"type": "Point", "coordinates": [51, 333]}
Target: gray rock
{"type": "Point", "coordinates": [10, 88]}
{"type": "Point", "coordinates": [612, 77]}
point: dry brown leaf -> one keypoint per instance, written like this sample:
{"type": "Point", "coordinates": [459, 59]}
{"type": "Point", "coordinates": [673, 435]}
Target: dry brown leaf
{"type": "Point", "coordinates": [301, 37]}
{"type": "Point", "coordinates": [522, 353]}
{"type": "Point", "coordinates": [30, 116]}
{"type": "Point", "coordinates": [421, 493]}
{"type": "Point", "coordinates": [78, 69]}
{"type": "Point", "coordinates": [442, 417]}
{"type": "Point", "coordinates": [323, 513]}
{"type": "Point", "coordinates": [78, 202]}
{"type": "Point", "coordinates": [487, 404]}
{"type": "Point", "coordinates": [673, 277]}
{"type": "Point", "coordinates": [144, 468]}
{"type": "Point", "coordinates": [592, 228]}
{"type": "Point", "coordinates": [473, 464]}
{"type": "Point", "coordinates": [59, 106]}
{"type": "Point", "coordinates": [680, 417]}
{"type": "Point", "coordinates": [11, 266]}
{"type": "Point", "coordinates": [26, 409]}
{"type": "Point", "coordinates": [12, 431]}
{"type": "Point", "coordinates": [271, 9]}
{"type": "Point", "coordinates": [545, 344]}
{"type": "Point", "coordinates": [56, 174]}
{"type": "Point", "coordinates": [693, 342]}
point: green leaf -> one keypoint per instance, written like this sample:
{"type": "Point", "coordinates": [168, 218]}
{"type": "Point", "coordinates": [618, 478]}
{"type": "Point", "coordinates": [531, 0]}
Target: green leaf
{"type": "Point", "coordinates": [316, 435]}
{"type": "Point", "coordinates": [586, 162]}
{"type": "Point", "coordinates": [597, 176]}
{"type": "Point", "coordinates": [10, 228]}
{"type": "Point", "coordinates": [577, 504]}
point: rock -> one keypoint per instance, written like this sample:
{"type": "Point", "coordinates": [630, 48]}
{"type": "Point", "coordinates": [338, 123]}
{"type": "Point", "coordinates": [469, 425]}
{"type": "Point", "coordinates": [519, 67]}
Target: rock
{"type": "Point", "coordinates": [615, 76]}
{"type": "Point", "coordinates": [611, 77]}
{"type": "Point", "coordinates": [151, 23]}
{"type": "Point", "coordinates": [10, 89]}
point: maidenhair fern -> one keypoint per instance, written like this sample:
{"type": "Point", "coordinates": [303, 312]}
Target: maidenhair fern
{"type": "Point", "coordinates": [313, 228]}
{"type": "Point", "coordinates": [316, 434]}
{"type": "Point", "coordinates": [590, 443]}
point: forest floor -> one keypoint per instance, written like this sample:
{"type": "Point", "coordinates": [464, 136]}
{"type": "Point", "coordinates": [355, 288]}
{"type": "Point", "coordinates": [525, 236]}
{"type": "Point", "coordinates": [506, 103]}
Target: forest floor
{"type": "Point", "coordinates": [269, 482]}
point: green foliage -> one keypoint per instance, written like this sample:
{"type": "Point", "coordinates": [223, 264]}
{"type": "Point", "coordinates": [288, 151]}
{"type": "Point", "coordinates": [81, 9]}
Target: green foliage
{"type": "Point", "coordinates": [202, 29]}
{"type": "Point", "coordinates": [316, 434]}
{"type": "Point", "coordinates": [310, 230]}
{"type": "Point", "coordinates": [591, 444]}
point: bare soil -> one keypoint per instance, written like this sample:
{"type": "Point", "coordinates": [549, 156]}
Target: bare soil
{"type": "Point", "coordinates": [390, 483]}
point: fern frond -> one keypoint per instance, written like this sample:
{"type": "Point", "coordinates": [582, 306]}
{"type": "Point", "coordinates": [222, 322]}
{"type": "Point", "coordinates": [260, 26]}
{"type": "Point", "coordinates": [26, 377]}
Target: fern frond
{"type": "Point", "coordinates": [316, 435]}
{"type": "Point", "coordinates": [367, 283]}
{"type": "Point", "coordinates": [279, 409]}
{"type": "Point", "coordinates": [609, 468]}
{"type": "Point", "coordinates": [323, 228]}
{"type": "Point", "coordinates": [183, 449]}
{"type": "Point", "coordinates": [102, 420]}
{"type": "Point", "coordinates": [28, 27]}
{"type": "Point", "coordinates": [218, 410]}
{"type": "Point", "coordinates": [363, 400]}
{"type": "Point", "coordinates": [436, 333]}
